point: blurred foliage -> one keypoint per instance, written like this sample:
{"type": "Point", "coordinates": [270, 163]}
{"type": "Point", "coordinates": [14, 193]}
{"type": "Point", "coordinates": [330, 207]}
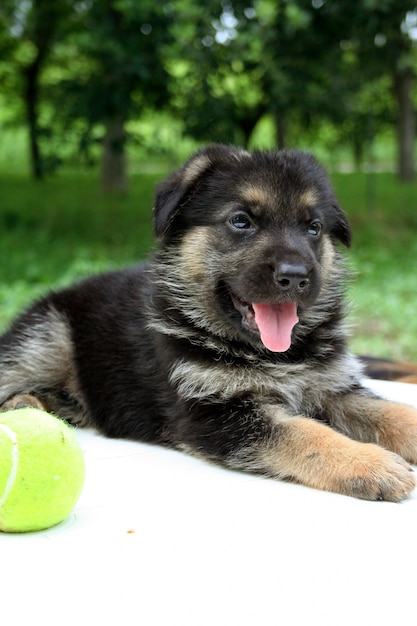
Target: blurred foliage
{"type": "Point", "coordinates": [217, 67]}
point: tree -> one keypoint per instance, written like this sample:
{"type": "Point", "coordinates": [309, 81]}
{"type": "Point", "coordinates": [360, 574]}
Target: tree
{"type": "Point", "coordinates": [378, 34]}
{"type": "Point", "coordinates": [214, 75]}
{"type": "Point", "coordinates": [34, 26]}
{"type": "Point", "coordinates": [121, 42]}
{"type": "Point", "coordinates": [302, 62]}
{"type": "Point", "coordinates": [219, 66]}
{"type": "Point", "coordinates": [106, 60]}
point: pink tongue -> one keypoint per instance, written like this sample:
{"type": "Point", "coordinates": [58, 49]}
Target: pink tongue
{"type": "Point", "coordinates": [275, 323]}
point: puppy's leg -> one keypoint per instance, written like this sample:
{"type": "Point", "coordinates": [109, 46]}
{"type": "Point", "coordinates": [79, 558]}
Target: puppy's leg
{"type": "Point", "coordinates": [316, 455]}
{"type": "Point", "coordinates": [269, 441]}
{"type": "Point", "coordinates": [367, 418]}
{"type": "Point", "coordinates": [37, 365]}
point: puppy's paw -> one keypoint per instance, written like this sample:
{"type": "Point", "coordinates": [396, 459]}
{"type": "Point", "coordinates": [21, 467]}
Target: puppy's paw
{"type": "Point", "coordinates": [23, 400]}
{"type": "Point", "coordinates": [377, 474]}
{"type": "Point", "coordinates": [317, 456]}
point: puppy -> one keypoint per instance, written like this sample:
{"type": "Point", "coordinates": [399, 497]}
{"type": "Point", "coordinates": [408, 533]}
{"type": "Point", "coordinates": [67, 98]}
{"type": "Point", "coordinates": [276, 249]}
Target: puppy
{"type": "Point", "coordinates": [230, 343]}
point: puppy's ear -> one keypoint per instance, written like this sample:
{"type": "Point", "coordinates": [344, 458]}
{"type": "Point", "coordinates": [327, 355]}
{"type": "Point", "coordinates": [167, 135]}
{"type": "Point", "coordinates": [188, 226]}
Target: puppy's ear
{"type": "Point", "coordinates": [175, 191]}
{"type": "Point", "coordinates": [340, 227]}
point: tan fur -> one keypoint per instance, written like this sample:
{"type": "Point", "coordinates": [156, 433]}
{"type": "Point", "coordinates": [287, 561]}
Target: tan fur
{"type": "Point", "coordinates": [254, 194]}
{"type": "Point", "coordinates": [23, 400]}
{"type": "Point", "coordinates": [397, 427]}
{"type": "Point", "coordinates": [391, 425]}
{"type": "Point", "coordinates": [315, 455]}
{"type": "Point", "coordinates": [309, 198]}
{"type": "Point", "coordinates": [195, 168]}
{"type": "Point", "coordinates": [193, 247]}
{"type": "Point", "coordinates": [327, 262]}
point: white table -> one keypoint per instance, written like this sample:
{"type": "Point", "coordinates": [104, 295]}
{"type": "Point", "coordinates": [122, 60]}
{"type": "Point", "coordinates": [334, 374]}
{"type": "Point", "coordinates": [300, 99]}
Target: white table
{"type": "Point", "coordinates": [158, 538]}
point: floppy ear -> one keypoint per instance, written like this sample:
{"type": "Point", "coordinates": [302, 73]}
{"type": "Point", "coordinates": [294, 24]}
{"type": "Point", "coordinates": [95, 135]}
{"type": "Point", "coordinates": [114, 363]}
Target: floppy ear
{"type": "Point", "coordinates": [173, 193]}
{"type": "Point", "coordinates": [341, 227]}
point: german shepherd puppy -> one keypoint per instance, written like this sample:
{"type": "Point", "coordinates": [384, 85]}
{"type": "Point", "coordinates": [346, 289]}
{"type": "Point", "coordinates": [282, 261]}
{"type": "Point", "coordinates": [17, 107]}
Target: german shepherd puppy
{"type": "Point", "coordinates": [230, 343]}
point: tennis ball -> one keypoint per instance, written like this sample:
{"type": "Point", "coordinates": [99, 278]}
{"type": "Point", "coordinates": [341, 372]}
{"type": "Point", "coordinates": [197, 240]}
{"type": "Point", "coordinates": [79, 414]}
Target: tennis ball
{"type": "Point", "coordinates": [41, 470]}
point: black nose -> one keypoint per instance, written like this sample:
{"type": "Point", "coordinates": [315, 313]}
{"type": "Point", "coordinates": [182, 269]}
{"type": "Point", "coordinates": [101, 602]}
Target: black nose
{"type": "Point", "coordinates": [292, 276]}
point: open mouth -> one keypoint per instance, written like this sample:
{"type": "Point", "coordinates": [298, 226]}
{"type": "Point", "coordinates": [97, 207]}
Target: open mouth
{"type": "Point", "coordinates": [274, 322]}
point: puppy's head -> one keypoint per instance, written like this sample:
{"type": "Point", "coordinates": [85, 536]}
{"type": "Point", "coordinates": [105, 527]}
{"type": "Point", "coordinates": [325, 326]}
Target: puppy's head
{"type": "Point", "coordinates": [251, 238]}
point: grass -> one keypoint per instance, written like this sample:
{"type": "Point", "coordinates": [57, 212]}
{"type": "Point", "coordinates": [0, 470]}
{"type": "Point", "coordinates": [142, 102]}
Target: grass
{"type": "Point", "coordinates": [384, 251]}
{"type": "Point", "coordinates": [57, 231]}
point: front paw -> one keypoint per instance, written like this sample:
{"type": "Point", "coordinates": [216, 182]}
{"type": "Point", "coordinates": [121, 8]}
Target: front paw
{"type": "Point", "coordinates": [377, 474]}
{"type": "Point", "coordinates": [317, 456]}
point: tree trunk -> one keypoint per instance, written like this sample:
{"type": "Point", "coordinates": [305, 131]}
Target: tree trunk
{"type": "Point", "coordinates": [31, 94]}
{"type": "Point", "coordinates": [247, 126]}
{"type": "Point", "coordinates": [43, 18]}
{"type": "Point", "coordinates": [281, 131]}
{"type": "Point", "coordinates": [114, 163]}
{"type": "Point", "coordinates": [403, 83]}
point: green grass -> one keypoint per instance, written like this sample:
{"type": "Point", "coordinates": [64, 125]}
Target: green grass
{"type": "Point", "coordinates": [57, 231]}
{"type": "Point", "coordinates": [383, 214]}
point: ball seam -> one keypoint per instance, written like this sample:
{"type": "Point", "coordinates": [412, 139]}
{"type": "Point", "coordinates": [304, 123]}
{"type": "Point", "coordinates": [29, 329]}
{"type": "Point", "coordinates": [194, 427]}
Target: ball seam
{"type": "Point", "coordinates": [15, 462]}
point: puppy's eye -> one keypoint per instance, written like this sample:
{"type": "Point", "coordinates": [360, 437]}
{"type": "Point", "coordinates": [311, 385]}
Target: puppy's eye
{"type": "Point", "coordinates": [241, 221]}
{"type": "Point", "coordinates": [314, 228]}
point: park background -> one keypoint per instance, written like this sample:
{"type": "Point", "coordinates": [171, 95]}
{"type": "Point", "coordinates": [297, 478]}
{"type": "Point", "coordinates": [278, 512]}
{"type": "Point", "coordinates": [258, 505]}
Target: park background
{"type": "Point", "coordinates": [99, 99]}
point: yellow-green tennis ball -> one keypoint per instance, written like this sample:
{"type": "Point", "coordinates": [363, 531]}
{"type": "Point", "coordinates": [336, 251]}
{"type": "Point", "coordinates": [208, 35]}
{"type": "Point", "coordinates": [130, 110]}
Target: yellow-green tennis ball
{"type": "Point", "coordinates": [41, 470]}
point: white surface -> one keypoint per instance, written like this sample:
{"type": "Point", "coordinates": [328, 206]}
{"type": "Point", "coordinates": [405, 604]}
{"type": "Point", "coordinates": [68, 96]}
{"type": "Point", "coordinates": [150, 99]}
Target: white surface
{"type": "Point", "coordinates": [159, 538]}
